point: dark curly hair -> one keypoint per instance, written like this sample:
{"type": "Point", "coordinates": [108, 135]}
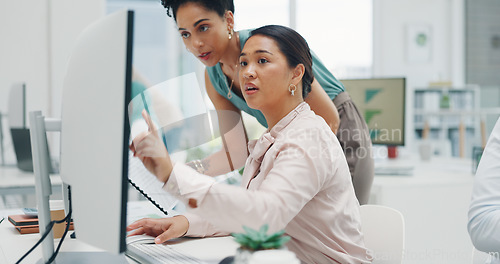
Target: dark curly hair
{"type": "Point", "coordinates": [218, 6]}
{"type": "Point", "coordinates": [295, 49]}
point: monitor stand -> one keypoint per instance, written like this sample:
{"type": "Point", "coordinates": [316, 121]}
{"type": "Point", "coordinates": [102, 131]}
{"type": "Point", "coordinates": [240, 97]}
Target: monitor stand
{"type": "Point", "coordinates": [1, 141]}
{"type": "Point", "coordinates": [87, 257]}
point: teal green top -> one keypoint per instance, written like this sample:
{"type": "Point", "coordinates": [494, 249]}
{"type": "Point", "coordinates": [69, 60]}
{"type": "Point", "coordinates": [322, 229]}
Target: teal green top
{"type": "Point", "coordinates": [325, 78]}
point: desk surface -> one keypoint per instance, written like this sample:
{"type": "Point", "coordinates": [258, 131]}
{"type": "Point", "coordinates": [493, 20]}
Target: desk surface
{"type": "Point", "coordinates": [15, 181]}
{"type": "Point", "coordinates": [438, 170]}
{"type": "Point", "coordinates": [13, 245]}
{"type": "Point", "coordinates": [14, 177]}
{"type": "Point", "coordinates": [434, 202]}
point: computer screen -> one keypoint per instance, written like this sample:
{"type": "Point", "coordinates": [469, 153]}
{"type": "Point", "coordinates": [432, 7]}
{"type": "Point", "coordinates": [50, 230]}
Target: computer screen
{"type": "Point", "coordinates": [19, 131]}
{"type": "Point", "coordinates": [95, 130]}
{"type": "Point", "coordinates": [381, 102]}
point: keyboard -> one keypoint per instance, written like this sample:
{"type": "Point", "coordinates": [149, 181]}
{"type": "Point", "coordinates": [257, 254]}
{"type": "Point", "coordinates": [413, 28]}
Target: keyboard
{"type": "Point", "coordinates": [156, 254]}
{"type": "Point", "coordinates": [392, 170]}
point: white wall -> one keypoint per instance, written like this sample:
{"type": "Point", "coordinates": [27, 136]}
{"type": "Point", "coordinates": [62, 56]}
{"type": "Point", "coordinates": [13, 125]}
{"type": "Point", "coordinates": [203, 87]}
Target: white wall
{"type": "Point", "coordinates": [28, 28]}
{"type": "Point", "coordinates": [36, 40]}
{"type": "Point", "coordinates": [23, 50]}
{"type": "Point", "coordinates": [390, 51]}
{"type": "Point", "coordinates": [37, 37]}
{"type": "Point", "coordinates": [68, 20]}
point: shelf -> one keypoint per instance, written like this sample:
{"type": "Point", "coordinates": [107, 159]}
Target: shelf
{"type": "Point", "coordinates": [421, 127]}
{"type": "Point", "coordinates": [468, 88]}
{"type": "Point", "coordinates": [458, 112]}
{"type": "Point", "coordinates": [445, 110]}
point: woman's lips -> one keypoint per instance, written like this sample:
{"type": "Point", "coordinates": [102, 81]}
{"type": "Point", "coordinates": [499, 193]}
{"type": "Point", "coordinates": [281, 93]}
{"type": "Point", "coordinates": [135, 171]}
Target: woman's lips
{"type": "Point", "coordinates": [251, 89]}
{"type": "Point", "coordinates": [204, 56]}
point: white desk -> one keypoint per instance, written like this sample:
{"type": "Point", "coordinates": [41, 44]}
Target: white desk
{"type": "Point", "coordinates": [434, 202]}
{"type": "Point", "coordinates": [15, 181]}
{"type": "Point", "coordinates": [13, 245]}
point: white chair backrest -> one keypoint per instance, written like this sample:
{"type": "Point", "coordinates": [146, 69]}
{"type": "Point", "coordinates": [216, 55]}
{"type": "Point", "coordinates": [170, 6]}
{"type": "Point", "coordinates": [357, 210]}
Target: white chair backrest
{"type": "Point", "coordinates": [383, 229]}
{"type": "Point", "coordinates": [479, 257]}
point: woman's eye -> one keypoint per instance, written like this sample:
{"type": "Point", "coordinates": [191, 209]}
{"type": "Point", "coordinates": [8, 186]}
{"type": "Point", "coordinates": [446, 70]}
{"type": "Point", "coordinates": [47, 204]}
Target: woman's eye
{"type": "Point", "coordinates": [185, 35]}
{"type": "Point", "coordinates": [262, 60]}
{"type": "Point", "coordinates": [243, 63]}
{"type": "Point", "coordinates": [203, 28]}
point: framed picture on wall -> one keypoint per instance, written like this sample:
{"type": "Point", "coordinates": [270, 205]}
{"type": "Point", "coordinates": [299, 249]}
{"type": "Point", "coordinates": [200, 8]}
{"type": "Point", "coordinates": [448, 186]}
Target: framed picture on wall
{"type": "Point", "coordinates": [419, 40]}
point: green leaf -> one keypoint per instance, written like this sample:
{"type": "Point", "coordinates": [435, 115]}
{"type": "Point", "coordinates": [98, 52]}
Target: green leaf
{"type": "Point", "coordinates": [238, 235]}
{"type": "Point", "coordinates": [275, 236]}
{"type": "Point", "coordinates": [273, 244]}
{"type": "Point", "coordinates": [253, 234]}
{"type": "Point", "coordinates": [284, 240]}
{"type": "Point", "coordinates": [242, 240]}
{"type": "Point", "coordinates": [257, 240]}
{"type": "Point", "coordinates": [253, 245]}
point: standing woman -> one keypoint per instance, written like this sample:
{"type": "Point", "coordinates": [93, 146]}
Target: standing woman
{"type": "Point", "coordinates": [207, 30]}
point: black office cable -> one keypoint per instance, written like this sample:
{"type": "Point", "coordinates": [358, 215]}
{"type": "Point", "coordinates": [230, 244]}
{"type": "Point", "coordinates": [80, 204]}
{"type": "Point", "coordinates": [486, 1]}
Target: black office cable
{"type": "Point", "coordinates": [49, 228]}
{"type": "Point", "coordinates": [148, 197]}
{"type": "Point", "coordinates": [68, 222]}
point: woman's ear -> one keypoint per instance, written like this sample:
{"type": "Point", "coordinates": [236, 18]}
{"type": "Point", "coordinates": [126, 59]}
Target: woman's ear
{"type": "Point", "coordinates": [298, 73]}
{"type": "Point", "coordinates": [229, 16]}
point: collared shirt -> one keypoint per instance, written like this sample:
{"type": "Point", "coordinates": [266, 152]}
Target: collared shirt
{"type": "Point", "coordinates": [296, 178]}
{"type": "Point", "coordinates": [484, 211]}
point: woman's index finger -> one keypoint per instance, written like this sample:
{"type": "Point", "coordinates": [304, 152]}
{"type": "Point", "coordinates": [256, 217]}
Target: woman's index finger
{"type": "Point", "coordinates": [148, 120]}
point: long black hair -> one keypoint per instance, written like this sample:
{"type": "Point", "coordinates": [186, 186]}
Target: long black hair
{"type": "Point", "coordinates": [218, 6]}
{"type": "Point", "coordinates": [295, 49]}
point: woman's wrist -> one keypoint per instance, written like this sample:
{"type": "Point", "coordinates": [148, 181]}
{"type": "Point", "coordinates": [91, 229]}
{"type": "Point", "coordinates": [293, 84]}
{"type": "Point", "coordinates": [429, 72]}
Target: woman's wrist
{"type": "Point", "coordinates": [198, 166]}
{"type": "Point", "coordinates": [166, 173]}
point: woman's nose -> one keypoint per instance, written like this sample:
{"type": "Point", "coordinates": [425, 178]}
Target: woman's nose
{"type": "Point", "coordinates": [198, 42]}
{"type": "Point", "coordinates": [248, 72]}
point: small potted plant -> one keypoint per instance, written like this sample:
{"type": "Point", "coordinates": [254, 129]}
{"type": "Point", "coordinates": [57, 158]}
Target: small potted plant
{"type": "Point", "coordinates": [253, 240]}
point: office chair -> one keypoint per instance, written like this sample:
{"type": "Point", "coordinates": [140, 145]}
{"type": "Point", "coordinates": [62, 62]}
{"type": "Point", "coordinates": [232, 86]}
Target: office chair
{"type": "Point", "coordinates": [479, 257]}
{"type": "Point", "coordinates": [384, 232]}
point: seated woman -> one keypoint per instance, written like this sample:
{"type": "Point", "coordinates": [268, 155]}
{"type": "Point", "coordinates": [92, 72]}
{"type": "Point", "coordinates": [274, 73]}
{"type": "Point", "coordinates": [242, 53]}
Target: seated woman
{"type": "Point", "coordinates": [296, 177]}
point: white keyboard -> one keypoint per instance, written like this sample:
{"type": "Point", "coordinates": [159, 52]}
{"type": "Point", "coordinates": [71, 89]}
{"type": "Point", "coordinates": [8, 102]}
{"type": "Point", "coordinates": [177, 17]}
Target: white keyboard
{"type": "Point", "coordinates": [393, 170]}
{"type": "Point", "coordinates": [153, 254]}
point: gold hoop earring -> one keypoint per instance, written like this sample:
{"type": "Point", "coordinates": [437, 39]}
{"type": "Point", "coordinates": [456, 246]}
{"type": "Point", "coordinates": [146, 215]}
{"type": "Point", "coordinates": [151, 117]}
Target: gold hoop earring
{"type": "Point", "coordinates": [292, 91]}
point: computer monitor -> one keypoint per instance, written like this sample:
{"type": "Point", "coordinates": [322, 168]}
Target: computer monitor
{"type": "Point", "coordinates": [19, 130]}
{"type": "Point", "coordinates": [95, 130]}
{"type": "Point", "coordinates": [381, 102]}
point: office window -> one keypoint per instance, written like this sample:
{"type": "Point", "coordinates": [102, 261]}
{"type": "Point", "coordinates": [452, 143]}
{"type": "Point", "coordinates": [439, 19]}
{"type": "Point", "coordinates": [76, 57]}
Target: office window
{"type": "Point", "coordinates": [254, 14]}
{"type": "Point", "coordinates": [257, 13]}
{"type": "Point", "coordinates": [158, 50]}
{"type": "Point", "coordinates": [340, 33]}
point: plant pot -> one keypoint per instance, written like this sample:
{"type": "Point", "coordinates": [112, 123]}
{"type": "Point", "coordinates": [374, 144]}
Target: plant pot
{"type": "Point", "coordinates": [275, 256]}
{"type": "Point", "coordinates": [243, 255]}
